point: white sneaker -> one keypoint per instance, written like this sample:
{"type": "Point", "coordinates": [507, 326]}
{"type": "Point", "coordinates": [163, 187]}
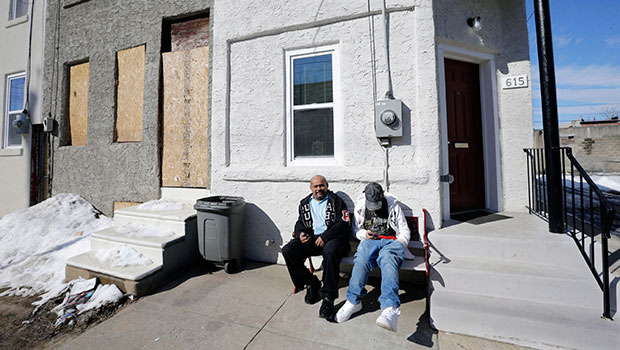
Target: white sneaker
{"type": "Point", "coordinates": [346, 311]}
{"type": "Point", "coordinates": [388, 318]}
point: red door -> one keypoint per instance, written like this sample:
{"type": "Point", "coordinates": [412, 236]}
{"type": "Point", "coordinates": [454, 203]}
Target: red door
{"type": "Point", "coordinates": [464, 136]}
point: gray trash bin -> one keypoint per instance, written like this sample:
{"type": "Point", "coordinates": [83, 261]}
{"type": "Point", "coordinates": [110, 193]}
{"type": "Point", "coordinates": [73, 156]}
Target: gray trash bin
{"type": "Point", "coordinates": [220, 222]}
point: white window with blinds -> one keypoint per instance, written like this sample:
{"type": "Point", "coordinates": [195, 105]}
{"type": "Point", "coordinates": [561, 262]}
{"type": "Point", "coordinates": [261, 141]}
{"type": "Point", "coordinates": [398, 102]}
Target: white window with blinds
{"type": "Point", "coordinates": [313, 113]}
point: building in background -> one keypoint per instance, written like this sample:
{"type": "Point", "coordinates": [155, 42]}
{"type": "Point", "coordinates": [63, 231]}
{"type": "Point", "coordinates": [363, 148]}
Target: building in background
{"type": "Point", "coordinates": [183, 99]}
{"type": "Point", "coordinates": [594, 143]}
{"type": "Point", "coordinates": [21, 88]}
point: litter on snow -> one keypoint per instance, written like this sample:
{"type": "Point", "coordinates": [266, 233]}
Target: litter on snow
{"type": "Point", "coordinates": [84, 297]}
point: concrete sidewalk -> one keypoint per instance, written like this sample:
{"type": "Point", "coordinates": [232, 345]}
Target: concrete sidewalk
{"type": "Point", "coordinates": [255, 309]}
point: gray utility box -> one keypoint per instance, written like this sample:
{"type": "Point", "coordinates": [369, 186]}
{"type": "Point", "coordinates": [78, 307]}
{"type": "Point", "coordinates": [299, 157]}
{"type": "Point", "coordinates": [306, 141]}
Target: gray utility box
{"type": "Point", "coordinates": [220, 222]}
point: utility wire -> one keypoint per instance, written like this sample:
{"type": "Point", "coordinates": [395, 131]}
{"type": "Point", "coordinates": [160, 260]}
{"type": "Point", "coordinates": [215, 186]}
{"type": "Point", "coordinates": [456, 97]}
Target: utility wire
{"type": "Point", "coordinates": [390, 93]}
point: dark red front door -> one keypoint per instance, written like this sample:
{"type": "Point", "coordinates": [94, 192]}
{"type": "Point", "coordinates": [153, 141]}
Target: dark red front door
{"type": "Point", "coordinates": [464, 136]}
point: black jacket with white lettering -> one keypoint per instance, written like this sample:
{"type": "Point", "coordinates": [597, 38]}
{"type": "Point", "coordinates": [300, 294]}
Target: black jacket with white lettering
{"type": "Point", "coordinates": [337, 219]}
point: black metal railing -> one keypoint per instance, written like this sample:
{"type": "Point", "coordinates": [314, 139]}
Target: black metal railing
{"type": "Point", "coordinates": [588, 215]}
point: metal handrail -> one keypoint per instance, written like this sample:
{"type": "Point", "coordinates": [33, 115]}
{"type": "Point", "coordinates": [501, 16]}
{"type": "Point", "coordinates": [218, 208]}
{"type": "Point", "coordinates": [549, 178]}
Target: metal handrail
{"type": "Point", "coordinates": [575, 220]}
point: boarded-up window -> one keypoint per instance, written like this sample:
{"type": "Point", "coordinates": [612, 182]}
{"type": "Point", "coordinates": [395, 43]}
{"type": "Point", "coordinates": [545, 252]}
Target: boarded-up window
{"type": "Point", "coordinates": [129, 94]}
{"type": "Point", "coordinates": [78, 103]}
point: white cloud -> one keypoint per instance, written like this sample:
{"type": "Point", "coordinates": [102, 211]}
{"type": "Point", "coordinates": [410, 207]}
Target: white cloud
{"type": "Point", "coordinates": [565, 40]}
{"type": "Point", "coordinates": [592, 75]}
{"type": "Point", "coordinates": [613, 41]}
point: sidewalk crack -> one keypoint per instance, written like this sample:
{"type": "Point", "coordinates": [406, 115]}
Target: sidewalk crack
{"type": "Point", "coordinates": [266, 322]}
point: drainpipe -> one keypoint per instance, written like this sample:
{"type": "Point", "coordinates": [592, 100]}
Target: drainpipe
{"type": "Point", "coordinates": [550, 116]}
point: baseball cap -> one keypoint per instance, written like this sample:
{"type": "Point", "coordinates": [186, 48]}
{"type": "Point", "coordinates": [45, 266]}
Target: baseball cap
{"type": "Point", "coordinates": [374, 196]}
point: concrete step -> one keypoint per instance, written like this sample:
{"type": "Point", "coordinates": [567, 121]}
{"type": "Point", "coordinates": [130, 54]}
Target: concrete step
{"type": "Point", "coordinates": [181, 194]}
{"type": "Point", "coordinates": [449, 246]}
{"type": "Point", "coordinates": [527, 323]}
{"type": "Point", "coordinates": [550, 284]}
{"type": "Point", "coordinates": [172, 220]}
{"type": "Point", "coordinates": [89, 261]}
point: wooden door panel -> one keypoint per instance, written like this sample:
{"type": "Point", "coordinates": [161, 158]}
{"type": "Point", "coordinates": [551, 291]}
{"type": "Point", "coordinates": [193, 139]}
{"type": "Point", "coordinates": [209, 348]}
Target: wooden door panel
{"type": "Point", "coordinates": [185, 149]}
{"type": "Point", "coordinates": [465, 156]}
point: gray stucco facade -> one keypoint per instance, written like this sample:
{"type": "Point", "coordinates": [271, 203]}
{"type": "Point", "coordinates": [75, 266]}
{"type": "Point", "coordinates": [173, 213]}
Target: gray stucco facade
{"type": "Point", "coordinates": [103, 171]}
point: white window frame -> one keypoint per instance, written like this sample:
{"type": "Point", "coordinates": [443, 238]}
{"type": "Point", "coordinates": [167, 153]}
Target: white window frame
{"type": "Point", "coordinates": [335, 105]}
{"type": "Point", "coordinates": [13, 9]}
{"type": "Point", "coordinates": [7, 111]}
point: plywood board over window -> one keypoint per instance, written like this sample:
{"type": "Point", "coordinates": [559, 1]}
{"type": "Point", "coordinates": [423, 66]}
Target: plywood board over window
{"type": "Point", "coordinates": [185, 153]}
{"type": "Point", "coordinates": [129, 94]}
{"type": "Point", "coordinates": [78, 103]}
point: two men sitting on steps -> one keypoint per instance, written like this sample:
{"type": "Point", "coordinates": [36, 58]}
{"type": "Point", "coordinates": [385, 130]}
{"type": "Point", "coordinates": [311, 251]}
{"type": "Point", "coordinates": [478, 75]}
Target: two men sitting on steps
{"type": "Point", "coordinates": [323, 228]}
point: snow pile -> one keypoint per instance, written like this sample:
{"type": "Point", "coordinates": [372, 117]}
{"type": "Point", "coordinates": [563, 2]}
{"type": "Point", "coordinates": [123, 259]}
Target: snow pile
{"type": "Point", "coordinates": [140, 230]}
{"type": "Point", "coordinates": [160, 205]}
{"type": "Point", "coordinates": [122, 256]}
{"type": "Point", "coordinates": [36, 242]}
{"type": "Point", "coordinates": [104, 294]}
{"type": "Point", "coordinates": [607, 183]}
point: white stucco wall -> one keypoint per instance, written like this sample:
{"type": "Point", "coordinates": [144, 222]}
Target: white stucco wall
{"type": "Point", "coordinates": [248, 113]}
{"type": "Point", "coordinates": [15, 162]}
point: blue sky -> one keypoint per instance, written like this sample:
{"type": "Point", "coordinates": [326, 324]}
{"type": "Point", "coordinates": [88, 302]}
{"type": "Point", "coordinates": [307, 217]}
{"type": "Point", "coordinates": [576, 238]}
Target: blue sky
{"type": "Point", "coordinates": [586, 49]}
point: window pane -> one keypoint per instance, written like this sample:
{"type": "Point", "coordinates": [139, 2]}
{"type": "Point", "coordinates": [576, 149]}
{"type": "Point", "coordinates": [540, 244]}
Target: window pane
{"type": "Point", "coordinates": [312, 80]}
{"type": "Point", "coordinates": [17, 95]}
{"type": "Point", "coordinates": [314, 132]}
{"type": "Point", "coordinates": [14, 139]}
{"type": "Point", "coordinates": [18, 8]}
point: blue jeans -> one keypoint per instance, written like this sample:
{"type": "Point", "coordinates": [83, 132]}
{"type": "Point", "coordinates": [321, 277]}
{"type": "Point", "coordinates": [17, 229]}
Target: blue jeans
{"type": "Point", "coordinates": [389, 255]}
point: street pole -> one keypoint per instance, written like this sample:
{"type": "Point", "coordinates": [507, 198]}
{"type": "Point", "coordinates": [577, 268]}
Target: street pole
{"type": "Point", "coordinates": [550, 116]}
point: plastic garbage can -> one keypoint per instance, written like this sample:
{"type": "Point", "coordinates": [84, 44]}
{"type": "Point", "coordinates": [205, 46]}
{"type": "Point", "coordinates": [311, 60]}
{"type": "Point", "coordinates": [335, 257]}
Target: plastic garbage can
{"type": "Point", "coordinates": [220, 222]}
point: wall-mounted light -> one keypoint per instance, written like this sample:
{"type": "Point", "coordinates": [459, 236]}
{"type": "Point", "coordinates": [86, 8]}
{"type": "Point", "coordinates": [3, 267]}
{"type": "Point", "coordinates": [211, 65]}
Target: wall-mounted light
{"type": "Point", "coordinates": [474, 23]}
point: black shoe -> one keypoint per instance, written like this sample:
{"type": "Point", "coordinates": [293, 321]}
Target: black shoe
{"type": "Point", "coordinates": [327, 309]}
{"type": "Point", "coordinates": [312, 291]}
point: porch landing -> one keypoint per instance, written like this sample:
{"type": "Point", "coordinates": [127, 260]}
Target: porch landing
{"type": "Point", "coordinates": [508, 279]}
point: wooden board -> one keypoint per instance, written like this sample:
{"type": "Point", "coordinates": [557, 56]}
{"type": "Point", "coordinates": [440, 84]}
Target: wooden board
{"type": "Point", "coordinates": [185, 150]}
{"type": "Point", "coordinates": [121, 205]}
{"type": "Point", "coordinates": [129, 94]}
{"type": "Point", "coordinates": [78, 103]}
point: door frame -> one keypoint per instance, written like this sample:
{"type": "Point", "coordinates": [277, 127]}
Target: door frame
{"type": "Point", "coordinates": [490, 125]}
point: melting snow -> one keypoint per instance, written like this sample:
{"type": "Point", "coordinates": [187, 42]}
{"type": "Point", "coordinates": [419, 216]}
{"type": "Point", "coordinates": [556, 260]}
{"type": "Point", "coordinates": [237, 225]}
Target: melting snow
{"type": "Point", "coordinates": [160, 205]}
{"type": "Point", "coordinates": [122, 256]}
{"type": "Point", "coordinates": [36, 242]}
{"type": "Point", "coordinates": [140, 230]}
{"type": "Point", "coordinates": [104, 294]}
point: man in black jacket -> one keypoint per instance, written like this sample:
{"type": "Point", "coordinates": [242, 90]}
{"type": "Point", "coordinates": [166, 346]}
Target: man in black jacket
{"type": "Point", "coordinates": [323, 228]}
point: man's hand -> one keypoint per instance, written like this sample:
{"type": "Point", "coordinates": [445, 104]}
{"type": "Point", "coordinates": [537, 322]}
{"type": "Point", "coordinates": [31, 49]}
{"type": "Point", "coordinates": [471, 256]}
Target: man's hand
{"type": "Point", "coordinates": [319, 242]}
{"type": "Point", "coordinates": [371, 235]}
{"type": "Point", "coordinates": [304, 237]}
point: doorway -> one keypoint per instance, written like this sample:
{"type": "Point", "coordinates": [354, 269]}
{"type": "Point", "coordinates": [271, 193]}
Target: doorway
{"type": "Point", "coordinates": [470, 148]}
{"type": "Point", "coordinates": [466, 162]}
{"type": "Point", "coordinates": [185, 130]}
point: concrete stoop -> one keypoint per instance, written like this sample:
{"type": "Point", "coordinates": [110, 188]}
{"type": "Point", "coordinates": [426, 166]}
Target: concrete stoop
{"type": "Point", "coordinates": [512, 281]}
{"type": "Point", "coordinates": [168, 254]}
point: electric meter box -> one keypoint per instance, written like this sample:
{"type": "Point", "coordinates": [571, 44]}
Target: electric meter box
{"type": "Point", "coordinates": [389, 118]}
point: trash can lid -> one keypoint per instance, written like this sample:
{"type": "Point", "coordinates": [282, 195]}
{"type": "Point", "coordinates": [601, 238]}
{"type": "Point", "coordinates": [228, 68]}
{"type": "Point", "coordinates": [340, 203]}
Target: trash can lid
{"type": "Point", "coordinates": [218, 202]}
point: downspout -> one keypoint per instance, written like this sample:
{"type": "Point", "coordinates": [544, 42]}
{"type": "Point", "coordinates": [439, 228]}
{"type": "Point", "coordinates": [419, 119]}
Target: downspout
{"type": "Point", "coordinates": [550, 116]}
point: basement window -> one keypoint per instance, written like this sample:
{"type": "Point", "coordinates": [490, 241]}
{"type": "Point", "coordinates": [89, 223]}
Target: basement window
{"type": "Point", "coordinates": [14, 106]}
{"type": "Point", "coordinates": [312, 105]}
{"type": "Point", "coordinates": [18, 8]}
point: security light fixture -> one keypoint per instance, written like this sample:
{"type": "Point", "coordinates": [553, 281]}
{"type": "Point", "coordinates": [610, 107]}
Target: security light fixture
{"type": "Point", "coordinates": [474, 23]}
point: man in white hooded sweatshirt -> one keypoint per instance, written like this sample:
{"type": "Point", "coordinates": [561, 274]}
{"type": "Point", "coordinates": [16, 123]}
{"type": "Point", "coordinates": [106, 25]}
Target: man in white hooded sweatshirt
{"type": "Point", "coordinates": [381, 227]}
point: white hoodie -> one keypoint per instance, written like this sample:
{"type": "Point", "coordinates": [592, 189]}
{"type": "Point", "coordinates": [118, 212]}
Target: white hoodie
{"type": "Point", "coordinates": [396, 219]}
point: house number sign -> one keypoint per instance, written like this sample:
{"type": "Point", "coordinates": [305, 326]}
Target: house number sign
{"type": "Point", "coordinates": [514, 82]}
